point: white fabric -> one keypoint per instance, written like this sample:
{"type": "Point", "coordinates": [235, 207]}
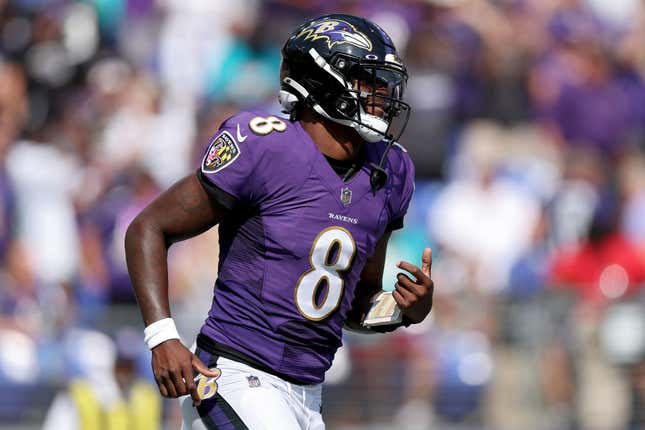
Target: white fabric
{"type": "Point", "coordinates": [488, 226]}
{"type": "Point", "coordinates": [159, 141]}
{"type": "Point", "coordinates": [62, 414]}
{"type": "Point", "coordinates": [94, 355]}
{"type": "Point", "coordinates": [159, 332]}
{"type": "Point", "coordinates": [274, 404]}
{"type": "Point", "coordinates": [195, 30]}
{"type": "Point", "coordinates": [18, 357]}
{"type": "Point", "coordinates": [45, 179]}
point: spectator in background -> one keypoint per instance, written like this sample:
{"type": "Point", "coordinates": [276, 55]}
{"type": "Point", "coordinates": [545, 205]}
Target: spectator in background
{"type": "Point", "coordinates": [106, 392]}
{"type": "Point", "coordinates": [631, 179]}
{"type": "Point", "coordinates": [590, 276]}
{"type": "Point", "coordinates": [141, 190]}
{"type": "Point", "coordinates": [45, 178]}
{"type": "Point", "coordinates": [13, 114]}
{"type": "Point", "coordinates": [606, 265]}
{"type": "Point", "coordinates": [142, 131]}
{"type": "Point", "coordinates": [189, 38]}
{"type": "Point", "coordinates": [485, 220]}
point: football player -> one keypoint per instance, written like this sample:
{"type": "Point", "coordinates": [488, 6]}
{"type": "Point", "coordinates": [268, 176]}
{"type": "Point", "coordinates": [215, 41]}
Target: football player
{"type": "Point", "coordinates": [305, 207]}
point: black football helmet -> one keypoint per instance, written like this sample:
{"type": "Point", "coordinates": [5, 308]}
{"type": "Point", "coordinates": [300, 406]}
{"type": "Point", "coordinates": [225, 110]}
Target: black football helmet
{"type": "Point", "coordinates": [346, 69]}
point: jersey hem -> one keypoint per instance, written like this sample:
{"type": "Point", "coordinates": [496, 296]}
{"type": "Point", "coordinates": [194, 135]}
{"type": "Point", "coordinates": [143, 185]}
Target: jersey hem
{"type": "Point", "coordinates": [209, 345]}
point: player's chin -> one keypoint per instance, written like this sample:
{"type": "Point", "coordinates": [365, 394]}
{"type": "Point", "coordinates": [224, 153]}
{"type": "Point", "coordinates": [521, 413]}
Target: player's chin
{"type": "Point", "coordinates": [376, 110]}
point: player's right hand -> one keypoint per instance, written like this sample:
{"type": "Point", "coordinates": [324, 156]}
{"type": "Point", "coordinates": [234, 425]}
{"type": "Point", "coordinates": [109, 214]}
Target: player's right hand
{"type": "Point", "coordinates": [173, 365]}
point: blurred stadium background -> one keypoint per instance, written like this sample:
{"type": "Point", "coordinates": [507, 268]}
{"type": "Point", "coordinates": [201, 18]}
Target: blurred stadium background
{"type": "Point", "coordinates": [528, 133]}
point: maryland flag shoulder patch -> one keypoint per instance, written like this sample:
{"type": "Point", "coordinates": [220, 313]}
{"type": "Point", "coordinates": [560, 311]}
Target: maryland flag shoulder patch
{"type": "Point", "coordinates": [222, 151]}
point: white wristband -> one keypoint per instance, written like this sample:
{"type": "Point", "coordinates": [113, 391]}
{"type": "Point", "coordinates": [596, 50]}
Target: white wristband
{"type": "Point", "coordinates": [160, 331]}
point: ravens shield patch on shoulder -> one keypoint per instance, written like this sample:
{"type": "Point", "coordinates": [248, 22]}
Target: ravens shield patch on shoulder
{"type": "Point", "coordinates": [222, 151]}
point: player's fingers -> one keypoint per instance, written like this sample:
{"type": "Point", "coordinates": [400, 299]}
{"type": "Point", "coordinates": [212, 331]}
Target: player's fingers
{"type": "Point", "coordinates": [162, 388]}
{"type": "Point", "coordinates": [166, 381]}
{"type": "Point", "coordinates": [422, 278]}
{"type": "Point", "coordinates": [191, 386]}
{"type": "Point", "coordinates": [408, 297]}
{"type": "Point", "coordinates": [179, 383]}
{"type": "Point", "coordinates": [407, 283]}
{"type": "Point", "coordinates": [400, 300]}
{"type": "Point", "coordinates": [426, 261]}
{"type": "Point", "coordinates": [199, 366]}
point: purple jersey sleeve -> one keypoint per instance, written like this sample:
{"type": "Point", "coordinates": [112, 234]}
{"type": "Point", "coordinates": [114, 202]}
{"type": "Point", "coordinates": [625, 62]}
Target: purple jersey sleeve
{"type": "Point", "coordinates": [403, 186]}
{"type": "Point", "coordinates": [230, 161]}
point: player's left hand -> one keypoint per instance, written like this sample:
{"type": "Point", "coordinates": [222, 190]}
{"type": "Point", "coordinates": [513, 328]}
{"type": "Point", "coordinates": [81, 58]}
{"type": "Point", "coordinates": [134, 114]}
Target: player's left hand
{"type": "Point", "coordinates": [415, 297]}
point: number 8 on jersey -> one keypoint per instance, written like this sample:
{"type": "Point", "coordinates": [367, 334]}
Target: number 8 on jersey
{"type": "Point", "coordinates": [333, 242]}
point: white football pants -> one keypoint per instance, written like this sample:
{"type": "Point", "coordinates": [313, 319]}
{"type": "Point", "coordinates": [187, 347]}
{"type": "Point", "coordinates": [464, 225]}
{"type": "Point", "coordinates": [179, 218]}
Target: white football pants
{"type": "Point", "coordinates": [247, 398]}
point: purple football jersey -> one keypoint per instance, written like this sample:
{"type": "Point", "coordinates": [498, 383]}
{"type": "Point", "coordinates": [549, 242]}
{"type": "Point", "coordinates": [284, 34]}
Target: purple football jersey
{"type": "Point", "coordinates": [291, 259]}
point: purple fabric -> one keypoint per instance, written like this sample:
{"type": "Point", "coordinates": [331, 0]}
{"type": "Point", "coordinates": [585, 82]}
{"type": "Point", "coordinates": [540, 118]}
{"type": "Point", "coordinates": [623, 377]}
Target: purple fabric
{"type": "Point", "coordinates": [411, 12]}
{"type": "Point", "coordinates": [574, 25]}
{"type": "Point", "coordinates": [7, 207]}
{"type": "Point", "coordinates": [294, 195]}
{"type": "Point", "coordinates": [602, 115]}
{"type": "Point", "coordinates": [137, 8]}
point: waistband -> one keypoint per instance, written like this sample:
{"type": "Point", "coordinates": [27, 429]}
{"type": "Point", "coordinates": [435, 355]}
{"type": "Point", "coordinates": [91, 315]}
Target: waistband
{"type": "Point", "coordinates": [213, 347]}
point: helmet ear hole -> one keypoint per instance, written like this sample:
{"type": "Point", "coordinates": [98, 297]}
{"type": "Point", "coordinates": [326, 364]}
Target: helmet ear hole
{"type": "Point", "coordinates": [347, 106]}
{"type": "Point", "coordinates": [341, 63]}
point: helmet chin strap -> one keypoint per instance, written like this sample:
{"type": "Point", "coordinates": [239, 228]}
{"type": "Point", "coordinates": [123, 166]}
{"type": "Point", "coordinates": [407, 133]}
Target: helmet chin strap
{"type": "Point", "coordinates": [378, 175]}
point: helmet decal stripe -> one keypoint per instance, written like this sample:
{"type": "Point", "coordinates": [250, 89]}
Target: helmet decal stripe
{"type": "Point", "coordinates": [323, 64]}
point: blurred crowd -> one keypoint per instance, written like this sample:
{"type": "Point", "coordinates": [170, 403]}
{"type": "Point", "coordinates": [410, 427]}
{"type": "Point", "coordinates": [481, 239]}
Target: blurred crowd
{"type": "Point", "coordinates": [528, 133]}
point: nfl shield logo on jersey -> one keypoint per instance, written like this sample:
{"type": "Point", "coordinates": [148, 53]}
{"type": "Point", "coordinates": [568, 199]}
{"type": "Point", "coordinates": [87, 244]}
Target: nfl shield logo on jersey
{"type": "Point", "coordinates": [222, 151]}
{"type": "Point", "coordinates": [254, 381]}
{"type": "Point", "coordinates": [345, 196]}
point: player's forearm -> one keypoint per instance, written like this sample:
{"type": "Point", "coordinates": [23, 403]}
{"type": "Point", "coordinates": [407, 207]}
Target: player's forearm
{"type": "Point", "coordinates": [146, 254]}
{"type": "Point", "coordinates": [183, 211]}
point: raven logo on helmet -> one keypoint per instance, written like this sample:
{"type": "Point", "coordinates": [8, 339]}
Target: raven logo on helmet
{"type": "Point", "coordinates": [335, 32]}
